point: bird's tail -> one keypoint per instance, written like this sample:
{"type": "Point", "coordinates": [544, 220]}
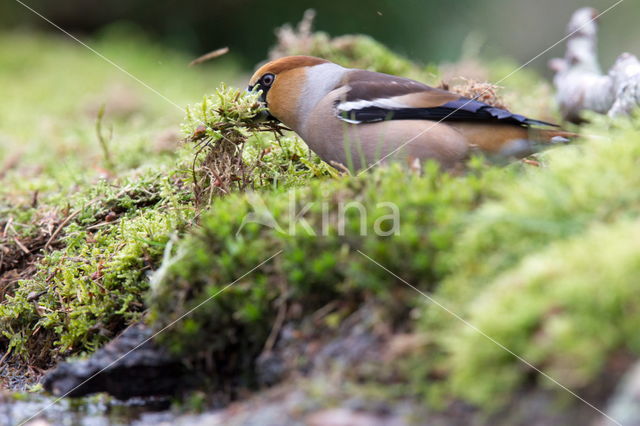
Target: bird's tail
{"type": "Point", "coordinates": [551, 135]}
{"type": "Point", "coordinates": [536, 140]}
{"type": "Point", "coordinates": [501, 138]}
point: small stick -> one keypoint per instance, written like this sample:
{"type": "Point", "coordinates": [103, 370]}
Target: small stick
{"type": "Point", "coordinates": [68, 219]}
{"type": "Point", "coordinates": [4, 357]}
{"type": "Point", "coordinates": [59, 228]}
{"type": "Point", "coordinates": [277, 326]}
{"type": "Point", "coordinates": [208, 56]}
{"type": "Point", "coordinates": [22, 246]}
{"type": "Point", "coordinates": [104, 142]}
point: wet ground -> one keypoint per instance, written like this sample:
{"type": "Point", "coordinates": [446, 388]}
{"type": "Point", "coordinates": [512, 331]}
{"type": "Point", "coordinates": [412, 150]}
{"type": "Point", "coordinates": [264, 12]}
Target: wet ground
{"type": "Point", "coordinates": [38, 410]}
{"type": "Point", "coordinates": [325, 390]}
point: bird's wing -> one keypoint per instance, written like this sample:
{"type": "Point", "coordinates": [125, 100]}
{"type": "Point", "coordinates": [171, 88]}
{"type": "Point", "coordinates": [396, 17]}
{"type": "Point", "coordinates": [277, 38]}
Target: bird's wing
{"type": "Point", "coordinates": [377, 97]}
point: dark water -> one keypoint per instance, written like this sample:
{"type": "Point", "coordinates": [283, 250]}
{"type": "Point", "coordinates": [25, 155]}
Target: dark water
{"type": "Point", "coordinates": [38, 410]}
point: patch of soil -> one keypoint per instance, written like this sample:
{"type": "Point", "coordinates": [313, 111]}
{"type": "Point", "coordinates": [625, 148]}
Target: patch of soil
{"type": "Point", "coordinates": [19, 254]}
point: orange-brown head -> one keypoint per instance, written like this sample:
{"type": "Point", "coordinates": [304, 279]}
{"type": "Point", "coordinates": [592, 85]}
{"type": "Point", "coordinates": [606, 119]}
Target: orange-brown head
{"type": "Point", "coordinates": [282, 82]}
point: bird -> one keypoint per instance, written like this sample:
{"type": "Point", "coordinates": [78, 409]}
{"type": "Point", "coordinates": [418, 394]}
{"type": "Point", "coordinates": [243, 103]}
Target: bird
{"type": "Point", "coordinates": [359, 118]}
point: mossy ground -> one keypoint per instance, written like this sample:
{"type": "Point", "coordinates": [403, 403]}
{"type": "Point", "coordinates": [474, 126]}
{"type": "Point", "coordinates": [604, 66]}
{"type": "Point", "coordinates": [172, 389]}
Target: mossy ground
{"type": "Point", "coordinates": [91, 226]}
{"type": "Point", "coordinates": [542, 259]}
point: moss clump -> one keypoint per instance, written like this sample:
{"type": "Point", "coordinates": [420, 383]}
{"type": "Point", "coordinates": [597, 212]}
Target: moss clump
{"type": "Point", "coordinates": [580, 186]}
{"type": "Point", "coordinates": [566, 309]}
{"type": "Point", "coordinates": [238, 156]}
{"type": "Point", "coordinates": [89, 281]}
{"type": "Point", "coordinates": [507, 249]}
{"type": "Point", "coordinates": [90, 234]}
{"type": "Point", "coordinates": [546, 271]}
{"type": "Point", "coordinates": [108, 235]}
{"type": "Point", "coordinates": [318, 259]}
{"type": "Point", "coordinates": [83, 293]}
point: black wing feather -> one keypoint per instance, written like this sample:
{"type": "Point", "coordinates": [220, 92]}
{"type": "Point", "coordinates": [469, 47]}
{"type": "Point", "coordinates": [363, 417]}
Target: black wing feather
{"type": "Point", "coordinates": [462, 109]}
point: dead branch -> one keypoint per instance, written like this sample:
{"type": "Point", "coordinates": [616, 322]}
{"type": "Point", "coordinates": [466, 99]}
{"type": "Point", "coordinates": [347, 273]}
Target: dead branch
{"type": "Point", "coordinates": [579, 80]}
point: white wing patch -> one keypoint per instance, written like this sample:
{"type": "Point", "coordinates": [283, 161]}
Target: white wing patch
{"type": "Point", "coordinates": [386, 103]}
{"type": "Point", "coordinates": [343, 109]}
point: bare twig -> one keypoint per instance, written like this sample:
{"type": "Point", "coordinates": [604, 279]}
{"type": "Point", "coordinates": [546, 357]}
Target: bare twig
{"type": "Point", "coordinates": [67, 220]}
{"type": "Point", "coordinates": [59, 228]}
{"type": "Point", "coordinates": [22, 246]}
{"type": "Point", "coordinates": [5, 356]}
{"type": "Point", "coordinates": [104, 142]}
{"type": "Point", "coordinates": [341, 167]}
{"type": "Point", "coordinates": [280, 317]}
{"type": "Point", "coordinates": [277, 326]}
{"type": "Point", "coordinates": [208, 56]}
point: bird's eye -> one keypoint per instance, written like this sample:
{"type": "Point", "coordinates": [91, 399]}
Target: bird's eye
{"type": "Point", "coordinates": [267, 80]}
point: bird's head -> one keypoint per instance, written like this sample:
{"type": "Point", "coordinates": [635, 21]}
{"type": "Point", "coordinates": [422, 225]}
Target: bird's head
{"type": "Point", "coordinates": [282, 83]}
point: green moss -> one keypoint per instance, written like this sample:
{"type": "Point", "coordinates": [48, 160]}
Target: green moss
{"type": "Point", "coordinates": [580, 185]}
{"type": "Point", "coordinates": [318, 259]}
{"type": "Point", "coordinates": [242, 152]}
{"type": "Point", "coordinates": [565, 310]}
{"type": "Point", "coordinates": [546, 270]}
{"type": "Point", "coordinates": [75, 293]}
{"type": "Point", "coordinates": [82, 294]}
{"type": "Point", "coordinates": [507, 249]}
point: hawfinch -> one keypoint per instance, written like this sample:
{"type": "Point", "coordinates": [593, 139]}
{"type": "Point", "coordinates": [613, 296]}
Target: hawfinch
{"type": "Point", "coordinates": [358, 118]}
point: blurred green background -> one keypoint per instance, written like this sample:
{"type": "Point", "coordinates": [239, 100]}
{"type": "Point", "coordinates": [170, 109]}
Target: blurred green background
{"type": "Point", "coordinates": [426, 30]}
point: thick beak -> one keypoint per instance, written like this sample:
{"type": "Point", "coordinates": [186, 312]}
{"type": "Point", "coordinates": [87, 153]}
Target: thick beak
{"type": "Point", "coordinates": [264, 115]}
{"type": "Point", "coordinates": [263, 95]}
